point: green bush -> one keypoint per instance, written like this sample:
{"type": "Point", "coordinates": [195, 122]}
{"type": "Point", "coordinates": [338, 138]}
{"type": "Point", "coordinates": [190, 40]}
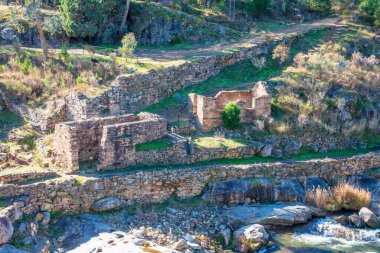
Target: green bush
{"type": "Point", "coordinates": [175, 41]}
{"type": "Point", "coordinates": [323, 6]}
{"type": "Point", "coordinates": [371, 10]}
{"type": "Point", "coordinates": [26, 66]}
{"type": "Point", "coordinates": [128, 46]}
{"type": "Point", "coordinates": [231, 116]}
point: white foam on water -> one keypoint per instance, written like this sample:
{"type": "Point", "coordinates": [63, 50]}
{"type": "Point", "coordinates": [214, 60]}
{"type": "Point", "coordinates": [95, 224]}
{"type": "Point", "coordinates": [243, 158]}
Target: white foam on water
{"type": "Point", "coordinates": [327, 232]}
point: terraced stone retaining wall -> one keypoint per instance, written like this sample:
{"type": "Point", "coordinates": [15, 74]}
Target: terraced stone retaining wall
{"type": "Point", "coordinates": [130, 93]}
{"type": "Point", "coordinates": [25, 177]}
{"type": "Point", "coordinates": [183, 152]}
{"type": "Point", "coordinates": [158, 185]}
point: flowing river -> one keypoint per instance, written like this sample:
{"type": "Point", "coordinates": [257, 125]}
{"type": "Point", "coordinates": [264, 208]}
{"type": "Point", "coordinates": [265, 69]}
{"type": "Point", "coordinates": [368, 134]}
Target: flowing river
{"type": "Point", "coordinates": [325, 235]}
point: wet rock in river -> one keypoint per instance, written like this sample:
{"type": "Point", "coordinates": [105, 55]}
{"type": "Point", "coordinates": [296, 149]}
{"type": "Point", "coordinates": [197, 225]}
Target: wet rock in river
{"type": "Point", "coordinates": [356, 220]}
{"type": "Point", "coordinates": [369, 218]}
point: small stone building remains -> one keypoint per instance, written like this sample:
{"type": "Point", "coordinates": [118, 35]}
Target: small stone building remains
{"type": "Point", "coordinates": [252, 103]}
{"type": "Point", "coordinates": [110, 140]}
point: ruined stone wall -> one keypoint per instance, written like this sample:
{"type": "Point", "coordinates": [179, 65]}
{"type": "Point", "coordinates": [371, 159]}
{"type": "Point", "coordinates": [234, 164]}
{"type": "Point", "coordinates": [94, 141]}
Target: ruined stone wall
{"type": "Point", "coordinates": [25, 176]}
{"type": "Point", "coordinates": [158, 185]}
{"type": "Point", "coordinates": [252, 103]}
{"type": "Point", "coordinates": [78, 141]}
{"type": "Point", "coordinates": [181, 152]}
{"type": "Point", "coordinates": [138, 91]}
{"type": "Point", "coordinates": [65, 146]}
{"type": "Point", "coordinates": [119, 140]}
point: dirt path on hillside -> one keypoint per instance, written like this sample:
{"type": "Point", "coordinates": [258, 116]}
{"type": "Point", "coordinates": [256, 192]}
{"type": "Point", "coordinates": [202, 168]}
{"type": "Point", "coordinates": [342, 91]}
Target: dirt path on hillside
{"type": "Point", "coordinates": [245, 43]}
{"type": "Point", "coordinates": [165, 58]}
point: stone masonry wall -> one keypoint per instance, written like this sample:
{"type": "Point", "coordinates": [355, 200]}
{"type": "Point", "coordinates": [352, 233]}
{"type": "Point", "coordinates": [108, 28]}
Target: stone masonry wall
{"type": "Point", "coordinates": [181, 152]}
{"type": "Point", "coordinates": [158, 185]}
{"type": "Point", "coordinates": [252, 103]}
{"type": "Point", "coordinates": [130, 93]}
{"type": "Point", "coordinates": [112, 140]}
{"type": "Point", "coordinates": [78, 141]}
{"type": "Point", "coordinates": [119, 140]}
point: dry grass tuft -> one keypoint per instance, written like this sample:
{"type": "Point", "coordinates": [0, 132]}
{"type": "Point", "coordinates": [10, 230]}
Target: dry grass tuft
{"type": "Point", "coordinates": [342, 196]}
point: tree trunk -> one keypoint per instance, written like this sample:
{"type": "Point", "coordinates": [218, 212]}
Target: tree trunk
{"type": "Point", "coordinates": [42, 39]}
{"type": "Point", "coordinates": [124, 20]}
{"type": "Point", "coordinates": [230, 9]}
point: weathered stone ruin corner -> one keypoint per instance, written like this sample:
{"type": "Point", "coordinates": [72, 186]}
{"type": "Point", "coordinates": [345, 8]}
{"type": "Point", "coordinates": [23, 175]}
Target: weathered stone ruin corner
{"type": "Point", "coordinates": [110, 140]}
{"type": "Point", "coordinates": [253, 103]}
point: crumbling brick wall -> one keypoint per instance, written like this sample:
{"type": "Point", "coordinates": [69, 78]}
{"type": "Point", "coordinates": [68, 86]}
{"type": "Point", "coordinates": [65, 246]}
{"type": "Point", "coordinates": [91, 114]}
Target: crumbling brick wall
{"type": "Point", "coordinates": [252, 103]}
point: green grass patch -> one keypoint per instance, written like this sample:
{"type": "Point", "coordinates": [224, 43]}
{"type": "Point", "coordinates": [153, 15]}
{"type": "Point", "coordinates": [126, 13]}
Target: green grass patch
{"type": "Point", "coordinates": [218, 142]}
{"type": "Point", "coordinates": [331, 154]}
{"type": "Point", "coordinates": [3, 203]}
{"type": "Point", "coordinates": [154, 145]}
{"type": "Point", "coordinates": [242, 75]}
{"type": "Point", "coordinates": [8, 117]}
{"type": "Point", "coordinates": [371, 140]}
{"type": "Point", "coordinates": [80, 180]}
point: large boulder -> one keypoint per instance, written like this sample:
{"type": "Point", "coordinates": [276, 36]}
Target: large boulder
{"type": "Point", "coordinates": [356, 220]}
{"type": "Point", "coordinates": [6, 230]}
{"type": "Point", "coordinates": [266, 151]}
{"type": "Point", "coordinates": [108, 204]}
{"type": "Point", "coordinates": [291, 146]}
{"type": "Point", "coordinates": [289, 191]}
{"type": "Point", "coordinates": [369, 218]}
{"type": "Point", "coordinates": [250, 238]}
{"type": "Point", "coordinates": [231, 191]}
{"type": "Point", "coordinates": [10, 249]}
{"type": "Point", "coordinates": [278, 214]}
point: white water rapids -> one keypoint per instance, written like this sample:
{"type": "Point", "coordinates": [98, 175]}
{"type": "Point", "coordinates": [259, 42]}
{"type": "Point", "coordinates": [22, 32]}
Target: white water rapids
{"type": "Point", "coordinates": [326, 235]}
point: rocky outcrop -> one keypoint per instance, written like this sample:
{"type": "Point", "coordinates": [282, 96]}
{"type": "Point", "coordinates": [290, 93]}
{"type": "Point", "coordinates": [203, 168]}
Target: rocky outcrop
{"type": "Point", "coordinates": [6, 229]}
{"type": "Point", "coordinates": [255, 190]}
{"type": "Point", "coordinates": [250, 238]}
{"type": "Point", "coordinates": [154, 24]}
{"type": "Point", "coordinates": [279, 214]}
{"type": "Point", "coordinates": [108, 204]}
{"type": "Point", "coordinates": [369, 218]}
{"type": "Point", "coordinates": [10, 249]}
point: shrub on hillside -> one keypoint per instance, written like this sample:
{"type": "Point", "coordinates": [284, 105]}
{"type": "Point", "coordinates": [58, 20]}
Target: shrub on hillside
{"type": "Point", "coordinates": [231, 116]}
{"type": "Point", "coordinates": [26, 66]}
{"type": "Point", "coordinates": [371, 10]}
{"type": "Point", "coordinates": [128, 45]}
{"type": "Point", "coordinates": [281, 53]}
{"type": "Point", "coordinates": [343, 196]}
{"type": "Point", "coordinates": [323, 6]}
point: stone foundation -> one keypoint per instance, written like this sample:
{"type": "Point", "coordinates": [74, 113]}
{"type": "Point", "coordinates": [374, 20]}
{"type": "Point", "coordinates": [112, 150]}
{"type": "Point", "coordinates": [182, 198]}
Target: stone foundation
{"type": "Point", "coordinates": [159, 185]}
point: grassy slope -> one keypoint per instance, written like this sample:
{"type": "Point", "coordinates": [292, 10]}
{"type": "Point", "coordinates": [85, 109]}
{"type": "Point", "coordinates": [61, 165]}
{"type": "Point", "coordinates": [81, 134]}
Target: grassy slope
{"type": "Point", "coordinates": [241, 73]}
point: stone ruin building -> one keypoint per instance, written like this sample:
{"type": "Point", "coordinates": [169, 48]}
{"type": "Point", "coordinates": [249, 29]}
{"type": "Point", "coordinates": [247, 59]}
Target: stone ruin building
{"type": "Point", "coordinates": [110, 140]}
{"type": "Point", "coordinates": [252, 103]}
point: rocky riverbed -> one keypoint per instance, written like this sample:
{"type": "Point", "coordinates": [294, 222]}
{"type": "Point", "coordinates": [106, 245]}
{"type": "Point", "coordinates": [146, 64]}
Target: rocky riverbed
{"type": "Point", "coordinates": [192, 225]}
